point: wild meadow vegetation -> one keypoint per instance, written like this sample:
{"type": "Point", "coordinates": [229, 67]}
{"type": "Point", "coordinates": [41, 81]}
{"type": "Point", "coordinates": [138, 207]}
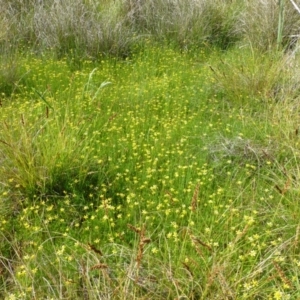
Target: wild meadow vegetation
{"type": "Point", "coordinates": [149, 149]}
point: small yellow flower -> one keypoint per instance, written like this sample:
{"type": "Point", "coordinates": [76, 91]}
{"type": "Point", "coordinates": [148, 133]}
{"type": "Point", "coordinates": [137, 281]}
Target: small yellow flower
{"type": "Point", "coordinates": [154, 250]}
{"type": "Point", "coordinates": [278, 295]}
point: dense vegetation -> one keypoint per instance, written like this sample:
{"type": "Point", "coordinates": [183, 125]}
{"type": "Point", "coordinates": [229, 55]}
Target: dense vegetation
{"type": "Point", "coordinates": [149, 149]}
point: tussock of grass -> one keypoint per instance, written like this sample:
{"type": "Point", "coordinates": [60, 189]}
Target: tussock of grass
{"type": "Point", "coordinates": [265, 14]}
{"type": "Point", "coordinates": [185, 23]}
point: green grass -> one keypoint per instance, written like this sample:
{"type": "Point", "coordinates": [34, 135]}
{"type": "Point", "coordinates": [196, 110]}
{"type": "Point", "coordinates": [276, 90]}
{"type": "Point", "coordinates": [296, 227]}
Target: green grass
{"type": "Point", "coordinates": [166, 175]}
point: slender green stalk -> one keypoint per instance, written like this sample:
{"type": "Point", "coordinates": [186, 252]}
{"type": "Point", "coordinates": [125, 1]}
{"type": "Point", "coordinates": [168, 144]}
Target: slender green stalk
{"type": "Point", "coordinates": [281, 4]}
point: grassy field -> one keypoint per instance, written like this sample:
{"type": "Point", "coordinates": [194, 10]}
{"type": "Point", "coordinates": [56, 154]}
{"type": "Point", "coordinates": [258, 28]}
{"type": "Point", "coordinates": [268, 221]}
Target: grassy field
{"type": "Point", "coordinates": [160, 164]}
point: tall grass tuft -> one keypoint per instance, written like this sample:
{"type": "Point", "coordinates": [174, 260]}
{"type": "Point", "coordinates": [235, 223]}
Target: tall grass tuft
{"type": "Point", "coordinates": [250, 77]}
{"type": "Point", "coordinates": [85, 28]}
{"type": "Point", "coordinates": [10, 73]}
{"type": "Point", "coordinates": [185, 23]}
{"type": "Point", "coordinates": [266, 23]}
